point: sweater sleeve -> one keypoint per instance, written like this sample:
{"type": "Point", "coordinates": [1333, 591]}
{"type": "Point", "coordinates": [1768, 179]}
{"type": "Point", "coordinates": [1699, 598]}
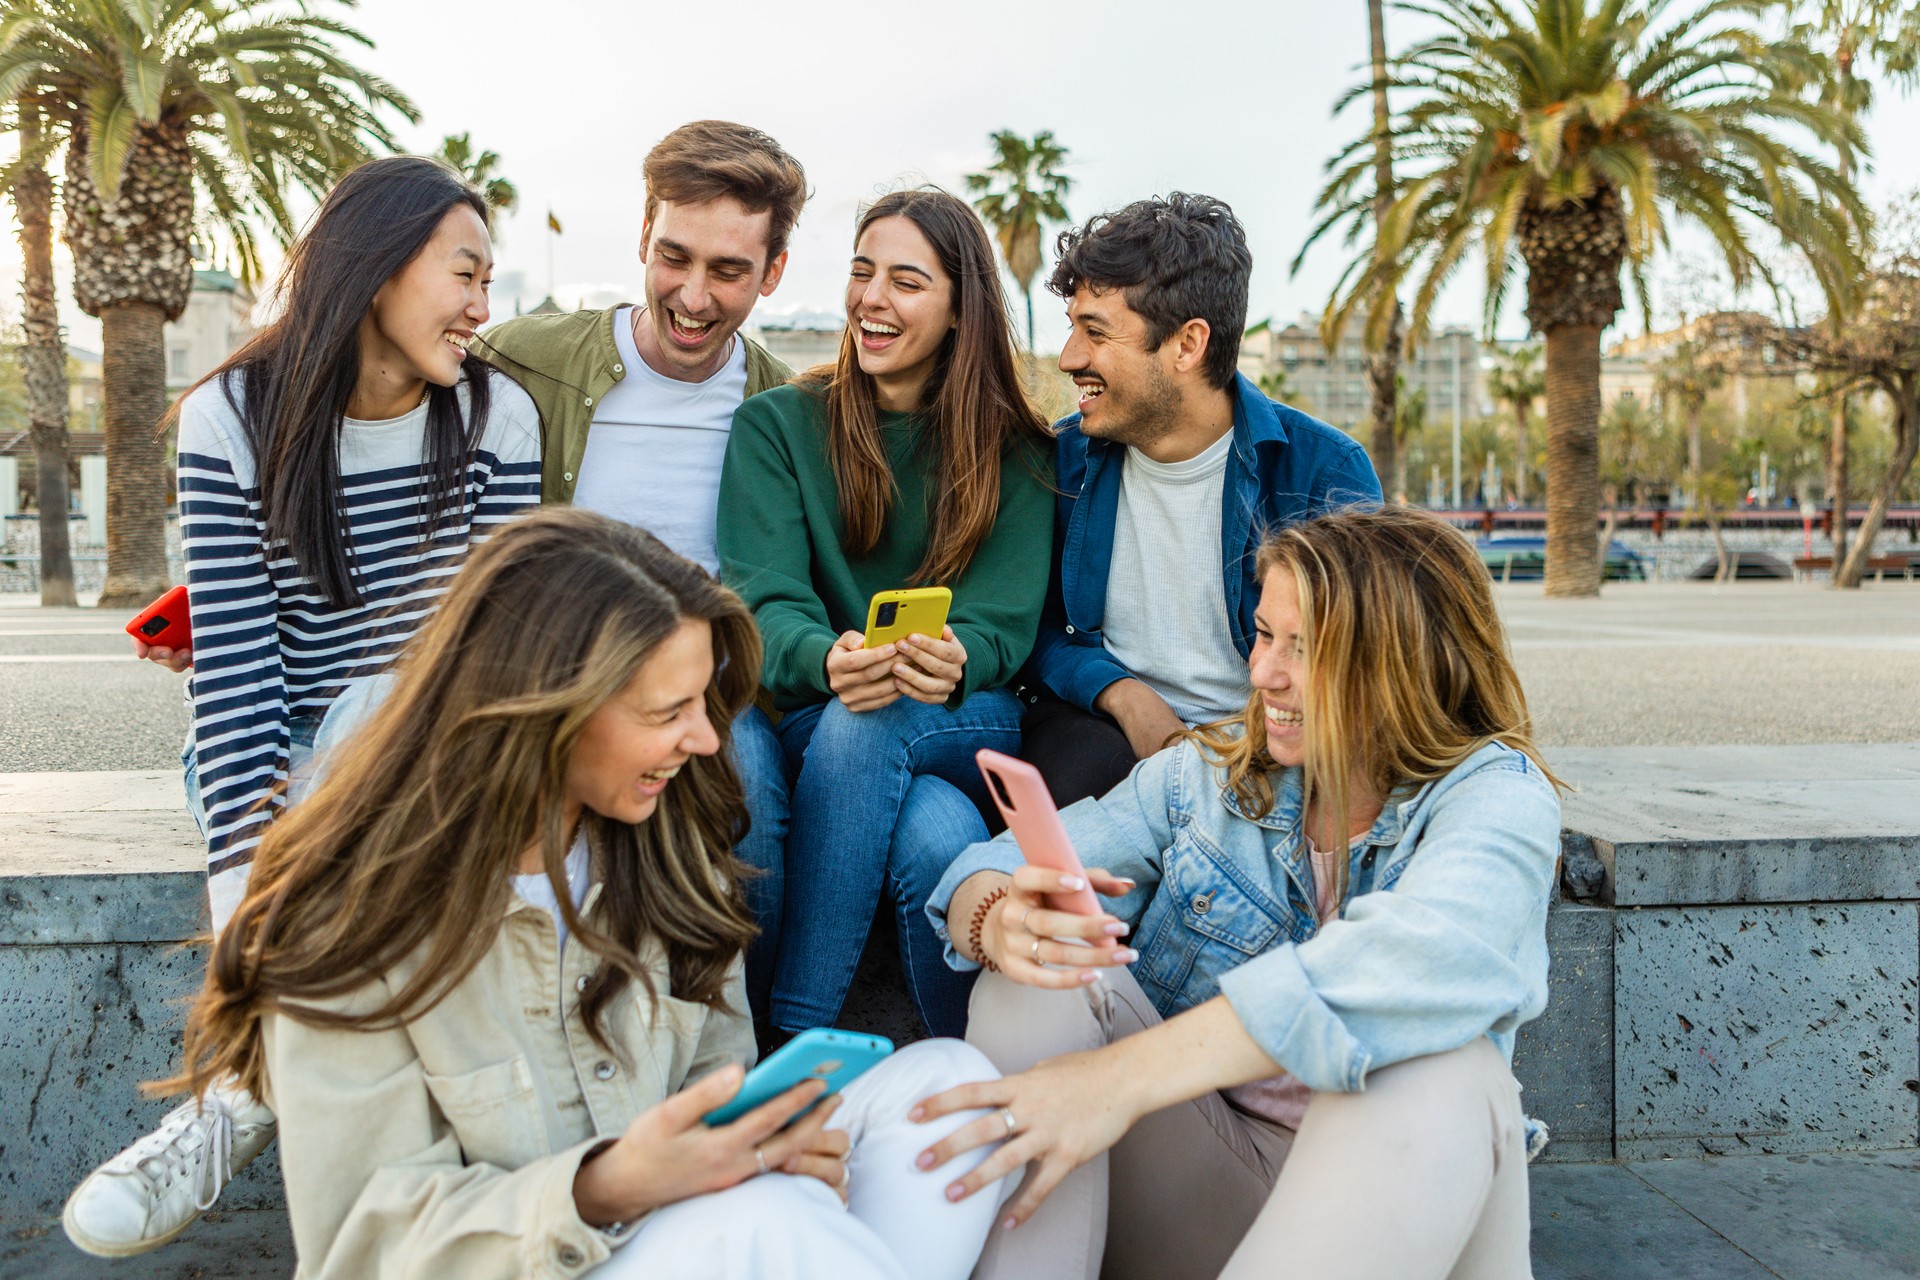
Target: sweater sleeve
{"type": "Point", "coordinates": [766, 553]}
{"type": "Point", "coordinates": [998, 600]}
{"type": "Point", "coordinates": [241, 717]}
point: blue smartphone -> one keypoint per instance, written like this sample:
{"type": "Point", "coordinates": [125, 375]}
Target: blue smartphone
{"type": "Point", "coordinates": [838, 1057]}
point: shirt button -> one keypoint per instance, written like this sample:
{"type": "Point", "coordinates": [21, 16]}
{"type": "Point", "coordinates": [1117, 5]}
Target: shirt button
{"type": "Point", "coordinates": [605, 1071]}
{"type": "Point", "coordinates": [1202, 903]}
{"type": "Point", "coordinates": [567, 476]}
{"type": "Point", "coordinates": [569, 1256]}
{"type": "Point", "coordinates": [589, 400]}
{"type": "Point", "coordinates": [618, 369]}
{"type": "Point", "coordinates": [1069, 629]}
{"type": "Point", "coordinates": [580, 983]}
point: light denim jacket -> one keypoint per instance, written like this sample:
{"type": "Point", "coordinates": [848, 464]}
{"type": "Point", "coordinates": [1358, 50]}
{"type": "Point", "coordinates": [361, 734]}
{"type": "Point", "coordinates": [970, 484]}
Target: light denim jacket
{"type": "Point", "coordinates": [1430, 951]}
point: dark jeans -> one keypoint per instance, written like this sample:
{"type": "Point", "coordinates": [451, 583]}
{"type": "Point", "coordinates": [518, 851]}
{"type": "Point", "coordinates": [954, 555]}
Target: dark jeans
{"type": "Point", "coordinates": [1078, 753]}
{"type": "Point", "coordinates": [882, 802]}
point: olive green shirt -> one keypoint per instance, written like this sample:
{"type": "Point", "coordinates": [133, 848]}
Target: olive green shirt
{"type": "Point", "coordinates": [566, 361]}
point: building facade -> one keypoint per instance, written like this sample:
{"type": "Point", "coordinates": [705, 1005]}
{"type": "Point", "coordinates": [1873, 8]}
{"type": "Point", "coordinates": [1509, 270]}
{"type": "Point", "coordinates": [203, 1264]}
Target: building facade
{"type": "Point", "coordinates": [1332, 386]}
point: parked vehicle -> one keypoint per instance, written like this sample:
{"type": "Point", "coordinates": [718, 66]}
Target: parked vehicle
{"type": "Point", "coordinates": [1518, 559]}
{"type": "Point", "coordinates": [1747, 566]}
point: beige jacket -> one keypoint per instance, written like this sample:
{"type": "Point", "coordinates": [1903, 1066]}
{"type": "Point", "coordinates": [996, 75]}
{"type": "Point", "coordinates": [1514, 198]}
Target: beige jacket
{"type": "Point", "coordinates": [448, 1147]}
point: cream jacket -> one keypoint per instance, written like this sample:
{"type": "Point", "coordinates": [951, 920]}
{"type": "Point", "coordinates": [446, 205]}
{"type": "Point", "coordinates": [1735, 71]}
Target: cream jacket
{"type": "Point", "coordinates": [448, 1147]}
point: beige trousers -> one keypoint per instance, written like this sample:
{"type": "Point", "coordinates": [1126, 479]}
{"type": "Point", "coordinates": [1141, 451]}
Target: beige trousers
{"type": "Point", "coordinates": [1422, 1175]}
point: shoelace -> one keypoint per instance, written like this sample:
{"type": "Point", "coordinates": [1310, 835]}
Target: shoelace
{"type": "Point", "coordinates": [156, 1159]}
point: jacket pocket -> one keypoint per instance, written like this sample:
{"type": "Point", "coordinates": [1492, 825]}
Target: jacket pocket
{"type": "Point", "coordinates": [1211, 920]}
{"type": "Point", "coordinates": [494, 1113]}
{"type": "Point", "coordinates": [674, 1027]}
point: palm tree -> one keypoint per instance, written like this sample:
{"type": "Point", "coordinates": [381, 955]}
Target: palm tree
{"type": "Point", "coordinates": [1687, 376]}
{"type": "Point", "coordinates": [1563, 136]}
{"type": "Point", "coordinates": [1880, 33]}
{"type": "Point", "coordinates": [168, 104]}
{"type": "Point", "coordinates": [1383, 364]}
{"type": "Point", "coordinates": [1019, 193]}
{"type": "Point", "coordinates": [1517, 380]}
{"type": "Point", "coordinates": [44, 353]}
{"type": "Point", "coordinates": [457, 150]}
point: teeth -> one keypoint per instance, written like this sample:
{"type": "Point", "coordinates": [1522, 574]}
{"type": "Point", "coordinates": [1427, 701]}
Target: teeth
{"type": "Point", "coordinates": [1277, 716]}
{"type": "Point", "coordinates": [685, 323]}
{"type": "Point", "coordinates": [660, 775]}
{"type": "Point", "coordinates": [1089, 390]}
{"type": "Point", "coordinates": [874, 326]}
{"type": "Point", "coordinates": [460, 340]}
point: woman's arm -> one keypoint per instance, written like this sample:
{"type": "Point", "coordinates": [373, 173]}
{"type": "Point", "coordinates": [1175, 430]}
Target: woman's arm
{"type": "Point", "coordinates": [1432, 963]}
{"type": "Point", "coordinates": [1070, 1109]}
{"type": "Point", "coordinates": [240, 714]}
{"type": "Point", "coordinates": [998, 601]}
{"type": "Point", "coordinates": [766, 554]}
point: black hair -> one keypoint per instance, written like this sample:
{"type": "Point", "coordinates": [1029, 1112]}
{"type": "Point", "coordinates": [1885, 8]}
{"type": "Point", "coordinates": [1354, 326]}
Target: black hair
{"type": "Point", "coordinates": [296, 377]}
{"type": "Point", "coordinates": [1175, 258]}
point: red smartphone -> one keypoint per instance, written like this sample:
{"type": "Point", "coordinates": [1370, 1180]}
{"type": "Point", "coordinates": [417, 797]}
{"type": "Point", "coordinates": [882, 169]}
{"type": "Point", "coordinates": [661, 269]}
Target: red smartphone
{"type": "Point", "coordinates": [164, 622]}
{"type": "Point", "coordinates": [1024, 801]}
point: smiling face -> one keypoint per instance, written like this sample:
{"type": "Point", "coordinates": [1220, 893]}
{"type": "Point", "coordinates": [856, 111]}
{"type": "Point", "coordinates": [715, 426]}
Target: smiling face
{"type": "Point", "coordinates": [1128, 391]}
{"type": "Point", "coordinates": [899, 309]}
{"type": "Point", "coordinates": [632, 747]}
{"type": "Point", "coordinates": [424, 316]}
{"type": "Point", "coordinates": [706, 266]}
{"type": "Point", "coordinates": [1278, 667]}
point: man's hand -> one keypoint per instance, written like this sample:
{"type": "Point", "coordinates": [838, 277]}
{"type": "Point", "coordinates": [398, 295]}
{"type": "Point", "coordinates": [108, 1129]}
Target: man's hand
{"type": "Point", "coordinates": [174, 660]}
{"type": "Point", "coordinates": [1144, 715]}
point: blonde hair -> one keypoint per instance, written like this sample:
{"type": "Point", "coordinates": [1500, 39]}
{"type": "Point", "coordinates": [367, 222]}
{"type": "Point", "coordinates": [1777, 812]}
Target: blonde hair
{"type": "Point", "coordinates": [1407, 670]}
{"type": "Point", "coordinates": [410, 842]}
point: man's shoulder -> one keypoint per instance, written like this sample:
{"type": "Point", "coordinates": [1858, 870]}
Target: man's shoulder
{"type": "Point", "coordinates": [765, 370]}
{"type": "Point", "coordinates": [539, 341]}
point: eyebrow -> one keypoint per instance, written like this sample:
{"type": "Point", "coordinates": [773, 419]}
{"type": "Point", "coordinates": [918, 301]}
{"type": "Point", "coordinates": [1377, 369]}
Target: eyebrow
{"type": "Point", "coordinates": [747, 264]}
{"type": "Point", "coordinates": [1090, 317]}
{"type": "Point", "coordinates": [464, 252]}
{"type": "Point", "coordinates": [898, 266]}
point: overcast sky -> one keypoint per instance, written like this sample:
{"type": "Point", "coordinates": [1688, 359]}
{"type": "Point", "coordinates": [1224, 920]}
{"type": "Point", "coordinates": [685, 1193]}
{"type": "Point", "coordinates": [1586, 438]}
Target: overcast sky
{"type": "Point", "coordinates": [1227, 97]}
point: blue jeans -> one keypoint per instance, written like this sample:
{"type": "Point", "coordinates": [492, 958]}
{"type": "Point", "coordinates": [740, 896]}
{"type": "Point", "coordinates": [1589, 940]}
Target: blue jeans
{"type": "Point", "coordinates": [882, 802]}
{"type": "Point", "coordinates": [762, 763]}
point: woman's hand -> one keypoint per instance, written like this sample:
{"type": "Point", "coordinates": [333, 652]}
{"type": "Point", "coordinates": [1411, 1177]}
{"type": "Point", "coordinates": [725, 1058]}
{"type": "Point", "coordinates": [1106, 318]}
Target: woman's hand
{"type": "Point", "coordinates": [174, 660]}
{"type": "Point", "coordinates": [930, 670]}
{"type": "Point", "coordinates": [668, 1154]}
{"type": "Point", "coordinates": [1018, 934]}
{"type": "Point", "coordinates": [861, 678]}
{"type": "Point", "coordinates": [1065, 1112]}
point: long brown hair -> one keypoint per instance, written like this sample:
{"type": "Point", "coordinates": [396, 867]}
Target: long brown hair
{"type": "Point", "coordinates": [975, 406]}
{"type": "Point", "coordinates": [1407, 671]}
{"type": "Point", "coordinates": [411, 840]}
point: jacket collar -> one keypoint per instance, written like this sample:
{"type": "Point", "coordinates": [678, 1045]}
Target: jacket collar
{"type": "Point", "coordinates": [1285, 814]}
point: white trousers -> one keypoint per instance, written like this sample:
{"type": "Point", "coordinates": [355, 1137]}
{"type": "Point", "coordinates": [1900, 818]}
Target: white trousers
{"type": "Point", "coordinates": [897, 1222]}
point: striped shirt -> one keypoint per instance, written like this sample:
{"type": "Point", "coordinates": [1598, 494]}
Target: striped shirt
{"type": "Point", "coordinates": [269, 648]}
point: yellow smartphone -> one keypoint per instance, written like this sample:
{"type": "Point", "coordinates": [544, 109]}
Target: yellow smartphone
{"type": "Point", "coordinates": [895, 615]}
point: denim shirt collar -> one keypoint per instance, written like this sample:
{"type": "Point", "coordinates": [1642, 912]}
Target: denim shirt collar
{"type": "Point", "coordinates": [1284, 816]}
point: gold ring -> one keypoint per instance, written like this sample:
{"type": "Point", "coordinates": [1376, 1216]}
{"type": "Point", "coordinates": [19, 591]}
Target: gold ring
{"type": "Point", "coordinates": [760, 1159]}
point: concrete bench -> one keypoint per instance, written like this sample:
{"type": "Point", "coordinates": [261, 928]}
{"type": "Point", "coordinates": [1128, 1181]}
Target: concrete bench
{"type": "Point", "coordinates": [1740, 972]}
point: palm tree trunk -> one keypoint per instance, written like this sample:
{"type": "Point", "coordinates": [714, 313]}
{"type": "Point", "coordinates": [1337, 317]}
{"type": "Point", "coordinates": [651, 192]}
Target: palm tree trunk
{"type": "Point", "coordinates": [1838, 480]}
{"type": "Point", "coordinates": [1906, 444]}
{"type": "Point", "coordinates": [1383, 366]}
{"type": "Point", "coordinates": [45, 360]}
{"type": "Point", "coordinates": [134, 377]}
{"type": "Point", "coordinates": [1693, 447]}
{"type": "Point", "coordinates": [1521, 453]}
{"type": "Point", "coordinates": [1573, 460]}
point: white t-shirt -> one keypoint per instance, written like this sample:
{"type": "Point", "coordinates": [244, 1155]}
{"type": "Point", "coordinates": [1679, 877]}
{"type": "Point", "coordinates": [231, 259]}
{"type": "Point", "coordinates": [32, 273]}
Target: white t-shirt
{"type": "Point", "coordinates": [655, 447]}
{"type": "Point", "coordinates": [538, 890]}
{"type": "Point", "coordinates": [1166, 592]}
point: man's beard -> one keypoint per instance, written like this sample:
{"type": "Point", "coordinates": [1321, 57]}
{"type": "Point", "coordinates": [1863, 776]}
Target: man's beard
{"type": "Point", "coordinates": [1153, 413]}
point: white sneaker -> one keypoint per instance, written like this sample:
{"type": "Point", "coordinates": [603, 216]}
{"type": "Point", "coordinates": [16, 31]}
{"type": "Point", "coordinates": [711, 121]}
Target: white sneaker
{"type": "Point", "coordinates": [152, 1191]}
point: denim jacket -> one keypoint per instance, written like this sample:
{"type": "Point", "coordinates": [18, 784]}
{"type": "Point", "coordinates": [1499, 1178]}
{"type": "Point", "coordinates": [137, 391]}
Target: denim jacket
{"type": "Point", "coordinates": [1286, 467]}
{"type": "Point", "coordinates": [1442, 939]}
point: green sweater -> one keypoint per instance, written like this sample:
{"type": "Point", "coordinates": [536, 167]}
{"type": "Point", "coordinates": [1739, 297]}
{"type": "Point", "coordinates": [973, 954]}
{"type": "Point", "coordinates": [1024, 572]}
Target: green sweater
{"type": "Point", "coordinates": [781, 549]}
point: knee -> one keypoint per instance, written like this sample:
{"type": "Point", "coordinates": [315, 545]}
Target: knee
{"type": "Point", "coordinates": [914, 1074]}
{"type": "Point", "coordinates": [1016, 1025]}
{"type": "Point", "coordinates": [936, 822]}
{"type": "Point", "coordinates": [701, 1226]}
{"type": "Point", "coordinates": [859, 735]}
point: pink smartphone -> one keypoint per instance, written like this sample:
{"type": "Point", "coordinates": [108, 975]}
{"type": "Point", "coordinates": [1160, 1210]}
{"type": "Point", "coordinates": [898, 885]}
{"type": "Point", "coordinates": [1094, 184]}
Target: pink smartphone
{"type": "Point", "coordinates": [1024, 801]}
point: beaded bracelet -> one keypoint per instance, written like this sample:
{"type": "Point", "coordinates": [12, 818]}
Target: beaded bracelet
{"type": "Point", "coordinates": [979, 921]}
